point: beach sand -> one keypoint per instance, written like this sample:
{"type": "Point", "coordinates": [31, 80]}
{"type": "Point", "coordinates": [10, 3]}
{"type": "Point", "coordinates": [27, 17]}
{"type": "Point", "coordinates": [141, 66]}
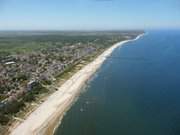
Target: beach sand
{"type": "Point", "coordinates": [49, 114]}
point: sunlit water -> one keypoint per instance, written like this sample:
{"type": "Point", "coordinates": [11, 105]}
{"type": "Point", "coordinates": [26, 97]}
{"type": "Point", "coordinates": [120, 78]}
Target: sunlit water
{"type": "Point", "coordinates": [136, 91]}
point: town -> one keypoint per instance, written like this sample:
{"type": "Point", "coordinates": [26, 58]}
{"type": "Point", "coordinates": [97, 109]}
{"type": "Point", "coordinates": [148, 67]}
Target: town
{"type": "Point", "coordinates": [31, 61]}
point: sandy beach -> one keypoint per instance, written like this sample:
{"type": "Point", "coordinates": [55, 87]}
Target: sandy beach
{"type": "Point", "coordinates": [44, 119]}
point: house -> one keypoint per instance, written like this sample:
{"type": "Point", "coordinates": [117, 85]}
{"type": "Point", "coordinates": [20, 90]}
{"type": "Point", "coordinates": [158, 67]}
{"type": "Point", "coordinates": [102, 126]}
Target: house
{"type": "Point", "coordinates": [10, 63]}
{"type": "Point", "coordinates": [31, 85]}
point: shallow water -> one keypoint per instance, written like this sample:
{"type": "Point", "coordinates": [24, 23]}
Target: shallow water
{"type": "Point", "coordinates": [135, 92]}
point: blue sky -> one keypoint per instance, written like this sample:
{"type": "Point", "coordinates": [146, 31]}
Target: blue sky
{"type": "Point", "coordinates": [88, 14]}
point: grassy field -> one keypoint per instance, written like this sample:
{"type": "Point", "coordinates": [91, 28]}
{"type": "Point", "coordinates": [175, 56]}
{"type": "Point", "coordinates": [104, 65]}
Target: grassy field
{"type": "Point", "coordinates": [22, 42]}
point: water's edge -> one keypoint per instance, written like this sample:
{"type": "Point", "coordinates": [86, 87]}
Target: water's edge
{"type": "Point", "coordinates": [59, 120]}
{"type": "Point", "coordinates": [48, 120]}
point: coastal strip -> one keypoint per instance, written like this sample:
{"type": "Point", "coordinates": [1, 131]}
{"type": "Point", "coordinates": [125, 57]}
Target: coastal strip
{"type": "Point", "coordinates": [43, 120]}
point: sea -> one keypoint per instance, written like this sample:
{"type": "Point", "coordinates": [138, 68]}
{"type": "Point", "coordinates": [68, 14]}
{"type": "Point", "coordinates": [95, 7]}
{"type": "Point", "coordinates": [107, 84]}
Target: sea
{"type": "Point", "coordinates": [135, 92]}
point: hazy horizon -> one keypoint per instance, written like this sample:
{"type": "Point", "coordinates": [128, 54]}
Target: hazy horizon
{"type": "Point", "coordinates": [89, 15]}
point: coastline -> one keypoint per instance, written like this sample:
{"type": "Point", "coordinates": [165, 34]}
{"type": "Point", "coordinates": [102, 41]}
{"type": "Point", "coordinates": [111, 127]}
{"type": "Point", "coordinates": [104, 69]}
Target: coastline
{"type": "Point", "coordinates": [43, 120]}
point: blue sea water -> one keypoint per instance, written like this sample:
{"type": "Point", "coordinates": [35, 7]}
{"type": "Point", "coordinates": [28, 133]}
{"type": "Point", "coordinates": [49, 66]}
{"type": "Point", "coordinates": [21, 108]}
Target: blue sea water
{"type": "Point", "coordinates": [135, 92]}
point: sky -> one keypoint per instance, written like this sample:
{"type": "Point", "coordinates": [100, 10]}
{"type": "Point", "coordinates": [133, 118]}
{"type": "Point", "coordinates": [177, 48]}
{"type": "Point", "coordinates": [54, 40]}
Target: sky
{"type": "Point", "coordinates": [89, 14]}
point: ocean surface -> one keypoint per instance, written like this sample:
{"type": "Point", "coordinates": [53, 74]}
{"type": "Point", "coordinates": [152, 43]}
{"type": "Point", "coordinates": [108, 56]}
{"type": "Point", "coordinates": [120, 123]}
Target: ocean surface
{"type": "Point", "coordinates": [135, 92]}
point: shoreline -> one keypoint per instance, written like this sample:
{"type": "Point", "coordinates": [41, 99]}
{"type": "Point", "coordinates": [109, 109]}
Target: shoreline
{"type": "Point", "coordinates": [50, 113]}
